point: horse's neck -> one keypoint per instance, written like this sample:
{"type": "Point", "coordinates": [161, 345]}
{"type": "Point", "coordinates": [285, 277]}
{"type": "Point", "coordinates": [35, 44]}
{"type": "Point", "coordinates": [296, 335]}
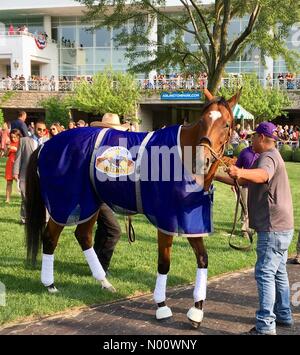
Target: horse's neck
{"type": "Point", "coordinates": [191, 135]}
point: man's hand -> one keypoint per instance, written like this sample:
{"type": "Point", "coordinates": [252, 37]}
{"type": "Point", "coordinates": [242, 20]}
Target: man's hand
{"type": "Point", "coordinates": [234, 172]}
{"type": "Point", "coordinates": [16, 177]}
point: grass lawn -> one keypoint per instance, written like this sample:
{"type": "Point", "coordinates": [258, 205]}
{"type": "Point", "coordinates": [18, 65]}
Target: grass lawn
{"type": "Point", "coordinates": [133, 267]}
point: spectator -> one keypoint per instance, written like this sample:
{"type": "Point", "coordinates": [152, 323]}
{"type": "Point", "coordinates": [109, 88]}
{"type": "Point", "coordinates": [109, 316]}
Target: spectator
{"type": "Point", "coordinates": [80, 123]}
{"type": "Point", "coordinates": [31, 128]}
{"type": "Point", "coordinates": [11, 30]}
{"type": "Point", "coordinates": [71, 124]}
{"type": "Point", "coordinates": [26, 148]}
{"type": "Point", "coordinates": [20, 124]}
{"type": "Point", "coordinates": [235, 139]}
{"type": "Point", "coordinates": [55, 128]}
{"type": "Point", "coordinates": [4, 139]}
{"type": "Point", "coordinates": [12, 148]}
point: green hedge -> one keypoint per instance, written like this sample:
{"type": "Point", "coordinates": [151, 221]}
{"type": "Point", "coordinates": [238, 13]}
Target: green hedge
{"type": "Point", "coordinates": [296, 155]}
{"type": "Point", "coordinates": [286, 152]}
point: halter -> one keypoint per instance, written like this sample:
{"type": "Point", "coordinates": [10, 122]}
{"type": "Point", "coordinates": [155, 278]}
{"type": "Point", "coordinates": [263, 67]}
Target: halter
{"type": "Point", "coordinates": [206, 142]}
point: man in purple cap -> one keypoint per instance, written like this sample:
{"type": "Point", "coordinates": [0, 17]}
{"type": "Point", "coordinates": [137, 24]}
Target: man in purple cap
{"type": "Point", "coordinates": [246, 159]}
{"type": "Point", "coordinates": [271, 215]}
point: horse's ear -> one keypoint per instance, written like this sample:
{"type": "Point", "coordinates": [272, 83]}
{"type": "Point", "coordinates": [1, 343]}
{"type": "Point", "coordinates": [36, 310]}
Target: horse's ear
{"type": "Point", "coordinates": [235, 99]}
{"type": "Point", "coordinates": [208, 94]}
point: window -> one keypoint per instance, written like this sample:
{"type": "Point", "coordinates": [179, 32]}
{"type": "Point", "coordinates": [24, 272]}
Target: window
{"type": "Point", "coordinates": [103, 37]}
{"type": "Point", "coordinates": [67, 36]}
{"type": "Point", "coordinates": [85, 37]}
{"type": "Point", "coordinates": [102, 56]}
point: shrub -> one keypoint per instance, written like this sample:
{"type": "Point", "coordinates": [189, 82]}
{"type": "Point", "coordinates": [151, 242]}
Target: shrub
{"type": "Point", "coordinates": [57, 110]}
{"type": "Point", "coordinates": [239, 148]}
{"type": "Point", "coordinates": [286, 152]}
{"type": "Point", "coordinates": [296, 155]}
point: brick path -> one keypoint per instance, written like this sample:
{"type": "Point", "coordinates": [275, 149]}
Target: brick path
{"type": "Point", "coordinates": [229, 309]}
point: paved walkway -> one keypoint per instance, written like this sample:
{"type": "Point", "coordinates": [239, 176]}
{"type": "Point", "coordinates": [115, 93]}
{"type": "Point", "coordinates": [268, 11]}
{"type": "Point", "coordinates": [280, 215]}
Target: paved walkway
{"type": "Point", "coordinates": [229, 309]}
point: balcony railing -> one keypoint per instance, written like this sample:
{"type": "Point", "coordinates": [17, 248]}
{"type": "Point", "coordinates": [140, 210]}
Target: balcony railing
{"type": "Point", "coordinates": [23, 33]}
{"type": "Point", "coordinates": [145, 85]}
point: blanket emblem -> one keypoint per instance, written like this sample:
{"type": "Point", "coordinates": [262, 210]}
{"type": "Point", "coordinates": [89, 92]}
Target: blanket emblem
{"type": "Point", "coordinates": [115, 162]}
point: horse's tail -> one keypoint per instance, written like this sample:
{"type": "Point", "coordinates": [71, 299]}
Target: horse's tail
{"type": "Point", "coordinates": [35, 209]}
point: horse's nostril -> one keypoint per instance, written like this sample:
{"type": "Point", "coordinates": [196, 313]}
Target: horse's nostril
{"type": "Point", "coordinates": [207, 162]}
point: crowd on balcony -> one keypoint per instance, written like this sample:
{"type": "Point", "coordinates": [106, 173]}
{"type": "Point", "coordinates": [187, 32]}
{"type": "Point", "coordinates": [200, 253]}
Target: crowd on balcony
{"type": "Point", "coordinates": [168, 82]}
{"type": "Point", "coordinates": [175, 81]}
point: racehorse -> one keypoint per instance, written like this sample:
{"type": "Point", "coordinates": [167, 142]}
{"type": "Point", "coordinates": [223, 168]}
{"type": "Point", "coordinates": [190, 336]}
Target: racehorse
{"type": "Point", "coordinates": [212, 132]}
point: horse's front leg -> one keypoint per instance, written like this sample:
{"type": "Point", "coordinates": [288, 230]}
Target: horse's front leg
{"type": "Point", "coordinates": [164, 253]}
{"type": "Point", "coordinates": [195, 314]}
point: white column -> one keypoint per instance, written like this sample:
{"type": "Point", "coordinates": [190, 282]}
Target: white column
{"type": "Point", "coordinates": [47, 26]}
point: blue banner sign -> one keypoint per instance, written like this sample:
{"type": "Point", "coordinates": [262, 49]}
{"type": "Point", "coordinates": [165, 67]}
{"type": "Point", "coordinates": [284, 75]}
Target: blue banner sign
{"type": "Point", "coordinates": [178, 95]}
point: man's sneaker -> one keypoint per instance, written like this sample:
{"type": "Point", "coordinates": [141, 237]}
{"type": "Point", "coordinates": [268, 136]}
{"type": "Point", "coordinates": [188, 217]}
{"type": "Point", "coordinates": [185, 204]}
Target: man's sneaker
{"type": "Point", "coordinates": [254, 331]}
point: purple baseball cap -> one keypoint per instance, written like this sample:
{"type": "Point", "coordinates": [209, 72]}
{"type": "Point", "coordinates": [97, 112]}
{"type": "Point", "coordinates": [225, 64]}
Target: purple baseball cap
{"type": "Point", "coordinates": [268, 129]}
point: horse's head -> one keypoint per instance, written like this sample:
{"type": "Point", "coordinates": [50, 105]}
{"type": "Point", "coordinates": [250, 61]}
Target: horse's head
{"type": "Point", "coordinates": [216, 126]}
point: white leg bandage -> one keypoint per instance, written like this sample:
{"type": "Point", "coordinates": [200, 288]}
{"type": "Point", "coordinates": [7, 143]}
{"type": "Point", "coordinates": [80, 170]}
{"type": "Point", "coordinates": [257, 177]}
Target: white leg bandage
{"type": "Point", "coordinates": [200, 285]}
{"type": "Point", "coordinates": [160, 288]}
{"type": "Point", "coordinates": [94, 264]}
{"type": "Point", "coordinates": [47, 276]}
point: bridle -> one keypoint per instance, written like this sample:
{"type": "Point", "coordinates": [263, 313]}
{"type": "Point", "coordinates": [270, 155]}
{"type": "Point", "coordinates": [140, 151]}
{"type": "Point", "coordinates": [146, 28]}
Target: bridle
{"type": "Point", "coordinates": [205, 141]}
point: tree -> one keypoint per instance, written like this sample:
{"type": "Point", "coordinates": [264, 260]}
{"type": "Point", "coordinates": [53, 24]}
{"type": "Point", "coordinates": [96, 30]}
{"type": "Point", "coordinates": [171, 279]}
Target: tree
{"type": "Point", "coordinates": [266, 28]}
{"type": "Point", "coordinates": [5, 97]}
{"type": "Point", "coordinates": [108, 92]}
{"type": "Point", "coordinates": [57, 109]}
{"type": "Point", "coordinates": [264, 103]}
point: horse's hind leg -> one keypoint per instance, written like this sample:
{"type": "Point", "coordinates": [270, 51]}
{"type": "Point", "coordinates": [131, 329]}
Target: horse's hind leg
{"type": "Point", "coordinates": [164, 253]}
{"type": "Point", "coordinates": [84, 236]}
{"type": "Point", "coordinates": [195, 314]}
{"type": "Point", "coordinates": [49, 240]}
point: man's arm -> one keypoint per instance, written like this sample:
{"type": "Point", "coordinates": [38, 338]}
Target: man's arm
{"type": "Point", "coordinates": [258, 176]}
{"type": "Point", "coordinates": [24, 129]}
{"type": "Point", "coordinates": [228, 180]}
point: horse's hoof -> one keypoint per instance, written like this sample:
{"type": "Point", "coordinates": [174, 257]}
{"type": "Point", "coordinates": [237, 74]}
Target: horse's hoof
{"type": "Point", "coordinates": [52, 289]}
{"type": "Point", "coordinates": [195, 325]}
{"type": "Point", "coordinates": [195, 316]}
{"type": "Point", "coordinates": [108, 286]}
{"type": "Point", "coordinates": [163, 313]}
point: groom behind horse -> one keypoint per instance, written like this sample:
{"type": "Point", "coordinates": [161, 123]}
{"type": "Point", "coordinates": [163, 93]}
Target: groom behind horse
{"type": "Point", "coordinates": [108, 230]}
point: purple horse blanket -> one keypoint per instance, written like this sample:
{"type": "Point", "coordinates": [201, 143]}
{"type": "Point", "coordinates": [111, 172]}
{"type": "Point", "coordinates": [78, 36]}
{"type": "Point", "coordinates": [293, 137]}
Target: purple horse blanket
{"type": "Point", "coordinates": [81, 168]}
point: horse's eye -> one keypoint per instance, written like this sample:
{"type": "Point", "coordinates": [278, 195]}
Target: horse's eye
{"type": "Point", "coordinates": [227, 125]}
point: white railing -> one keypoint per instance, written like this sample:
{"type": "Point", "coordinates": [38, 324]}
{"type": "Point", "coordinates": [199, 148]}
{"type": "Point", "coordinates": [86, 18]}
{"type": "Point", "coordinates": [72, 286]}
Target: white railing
{"type": "Point", "coordinates": [173, 84]}
{"type": "Point", "coordinates": [23, 33]}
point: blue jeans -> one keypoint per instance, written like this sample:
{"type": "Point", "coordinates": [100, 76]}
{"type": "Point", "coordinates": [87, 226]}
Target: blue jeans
{"type": "Point", "coordinates": [272, 280]}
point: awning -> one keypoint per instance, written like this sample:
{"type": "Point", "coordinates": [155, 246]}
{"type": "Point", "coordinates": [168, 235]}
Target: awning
{"type": "Point", "coordinates": [240, 113]}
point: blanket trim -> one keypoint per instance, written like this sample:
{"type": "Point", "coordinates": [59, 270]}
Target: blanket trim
{"type": "Point", "coordinates": [139, 202]}
{"type": "Point", "coordinates": [92, 162]}
{"type": "Point", "coordinates": [196, 235]}
{"type": "Point", "coordinates": [73, 223]}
